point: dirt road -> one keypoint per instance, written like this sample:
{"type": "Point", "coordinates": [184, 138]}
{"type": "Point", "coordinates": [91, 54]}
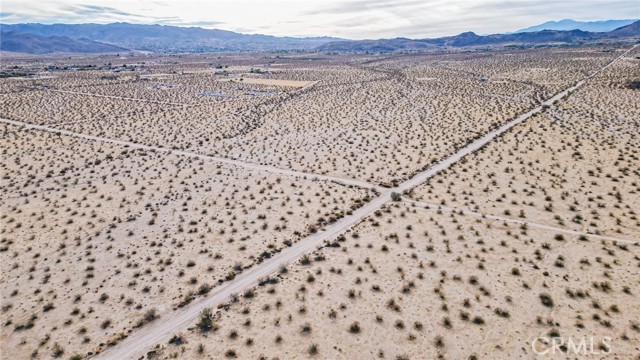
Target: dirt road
{"type": "Point", "coordinates": [246, 165]}
{"type": "Point", "coordinates": [518, 221]}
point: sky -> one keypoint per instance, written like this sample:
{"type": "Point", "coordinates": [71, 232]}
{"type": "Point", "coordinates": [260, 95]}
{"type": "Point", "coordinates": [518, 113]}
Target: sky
{"type": "Point", "coordinates": [353, 19]}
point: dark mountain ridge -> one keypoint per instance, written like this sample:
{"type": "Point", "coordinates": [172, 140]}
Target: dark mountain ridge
{"type": "Point", "coordinates": [629, 32]}
{"type": "Point", "coordinates": [36, 44]}
{"type": "Point", "coordinates": [569, 24]}
{"type": "Point", "coordinates": [169, 38]}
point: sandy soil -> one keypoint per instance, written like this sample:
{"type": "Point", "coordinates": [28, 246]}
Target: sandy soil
{"type": "Point", "coordinates": [417, 283]}
{"type": "Point", "coordinates": [574, 166]}
{"type": "Point", "coordinates": [95, 236]}
{"type": "Point", "coordinates": [99, 239]}
{"type": "Point", "coordinates": [366, 118]}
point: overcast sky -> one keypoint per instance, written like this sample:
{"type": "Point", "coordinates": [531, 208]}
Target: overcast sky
{"type": "Point", "coordinates": [355, 19]}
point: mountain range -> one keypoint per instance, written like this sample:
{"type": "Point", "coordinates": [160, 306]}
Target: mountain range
{"type": "Point", "coordinates": [629, 32]}
{"type": "Point", "coordinates": [163, 38]}
{"type": "Point", "coordinates": [568, 24]}
{"type": "Point", "coordinates": [36, 44]}
{"type": "Point", "coordinates": [118, 37]}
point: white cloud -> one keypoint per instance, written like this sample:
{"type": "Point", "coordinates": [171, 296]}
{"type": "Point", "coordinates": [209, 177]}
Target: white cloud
{"type": "Point", "coordinates": [355, 19]}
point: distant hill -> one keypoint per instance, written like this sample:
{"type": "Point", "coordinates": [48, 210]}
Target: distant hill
{"type": "Point", "coordinates": [36, 44]}
{"type": "Point", "coordinates": [631, 30]}
{"type": "Point", "coordinates": [591, 26]}
{"type": "Point", "coordinates": [470, 39]}
{"type": "Point", "coordinates": [169, 38]}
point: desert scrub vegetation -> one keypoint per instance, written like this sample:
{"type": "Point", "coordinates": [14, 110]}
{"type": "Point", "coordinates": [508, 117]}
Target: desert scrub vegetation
{"type": "Point", "coordinates": [406, 291]}
{"type": "Point", "coordinates": [131, 223]}
{"type": "Point", "coordinates": [153, 231]}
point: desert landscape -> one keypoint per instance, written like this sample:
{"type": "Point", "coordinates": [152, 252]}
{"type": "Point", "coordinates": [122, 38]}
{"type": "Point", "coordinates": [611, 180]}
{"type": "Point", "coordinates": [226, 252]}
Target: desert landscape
{"type": "Point", "coordinates": [257, 205]}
